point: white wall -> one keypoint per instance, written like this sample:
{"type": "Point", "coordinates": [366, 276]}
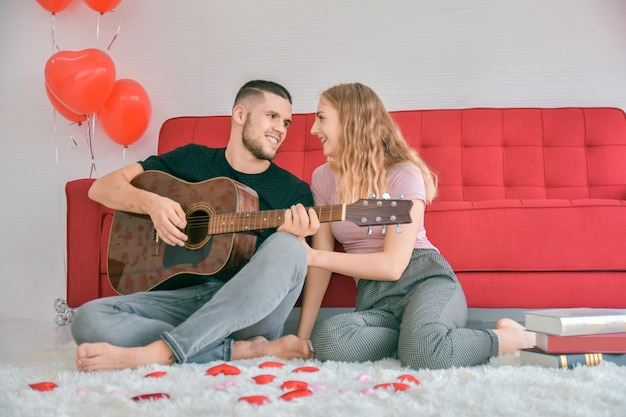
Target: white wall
{"type": "Point", "coordinates": [192, 55]}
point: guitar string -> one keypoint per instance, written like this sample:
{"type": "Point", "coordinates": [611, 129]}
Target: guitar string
{"type": "Point", "coordinates": [250, 220]}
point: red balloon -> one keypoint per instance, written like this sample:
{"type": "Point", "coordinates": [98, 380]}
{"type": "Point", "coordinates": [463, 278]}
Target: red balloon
{"type": "Point", "coordinates": [54, 6]}
{"type": "Point", "coordinates": [65, 112]}
{"type": "Point", "coordinates": [125, 115]}
{"type": "Point", "coordinates": [102, 6]}
{"type": "Point", "coordinates": [81, 80]}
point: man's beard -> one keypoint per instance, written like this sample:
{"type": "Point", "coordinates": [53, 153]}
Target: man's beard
{"type": "Point", "coordinates": [255, 146]}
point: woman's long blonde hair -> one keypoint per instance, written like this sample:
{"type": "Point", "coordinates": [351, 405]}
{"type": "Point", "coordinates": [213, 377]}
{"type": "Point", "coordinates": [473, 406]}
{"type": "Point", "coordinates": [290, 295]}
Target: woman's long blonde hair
{"type": "Point", "coordinates": [370, 143]}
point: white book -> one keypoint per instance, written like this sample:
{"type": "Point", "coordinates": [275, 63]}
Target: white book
{"type": "Point", "coordinates": [575, 321]}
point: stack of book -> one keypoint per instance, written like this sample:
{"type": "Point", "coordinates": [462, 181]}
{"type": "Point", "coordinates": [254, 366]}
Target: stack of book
{"type": "Point", "coordinates": [576, 336]}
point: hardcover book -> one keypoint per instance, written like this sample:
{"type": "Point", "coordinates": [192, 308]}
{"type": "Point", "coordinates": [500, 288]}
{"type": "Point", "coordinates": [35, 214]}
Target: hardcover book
{"type": "Point", "coordinates": [601, 343]}
{"type": "Point", "coordinates": [576, 321]}
{"type": "Point", "coordinates": [568, 360]}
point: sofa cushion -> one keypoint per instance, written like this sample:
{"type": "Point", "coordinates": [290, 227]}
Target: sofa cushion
{"type": "Point", "coordinates": [530, 235]}
{"type": "Point", "coordinates": [528, 153]}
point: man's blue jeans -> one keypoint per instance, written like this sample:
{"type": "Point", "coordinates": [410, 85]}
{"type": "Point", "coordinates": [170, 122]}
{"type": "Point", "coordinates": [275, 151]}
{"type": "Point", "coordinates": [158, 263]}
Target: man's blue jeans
{"type": "Point", "coordinates": [200, 323]}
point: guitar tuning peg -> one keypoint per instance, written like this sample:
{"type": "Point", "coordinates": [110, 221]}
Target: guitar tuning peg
{"type": "Point", "coordinates": [400, 197]}
{"type": "Point", "coordinates": [372, 195]}
{"type": "Point", "coordinates": [399, 229]}
{"type": "Point", "coordinates": [384, 230]}
{"type": "Point", "coordinates": [369, 230]}
{"type": "Point", "coordinates": [386, 196]}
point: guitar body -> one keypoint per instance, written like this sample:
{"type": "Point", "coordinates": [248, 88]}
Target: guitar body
{"type": "Point", "coordinates": [139, 261]}
{"type": "Point", "coordinates": [222, 220]}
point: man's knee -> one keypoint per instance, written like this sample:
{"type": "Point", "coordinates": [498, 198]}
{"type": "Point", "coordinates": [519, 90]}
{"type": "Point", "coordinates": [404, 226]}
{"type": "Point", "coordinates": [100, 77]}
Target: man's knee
{"type": "Point", "coordinates": [86, 322]}
{"type": "Point", "coordinates": [286, 245]}
{"type": "Point", "coordinates": [287, 250]}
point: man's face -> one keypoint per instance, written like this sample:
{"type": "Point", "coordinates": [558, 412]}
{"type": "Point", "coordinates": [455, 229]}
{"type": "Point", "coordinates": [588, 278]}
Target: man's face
{"type": "Point", "coordinates": [265, 127]}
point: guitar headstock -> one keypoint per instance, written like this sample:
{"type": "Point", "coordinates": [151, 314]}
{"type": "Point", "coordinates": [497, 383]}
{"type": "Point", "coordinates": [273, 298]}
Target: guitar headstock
{"type": "Point", "coordinates": [373, 212]}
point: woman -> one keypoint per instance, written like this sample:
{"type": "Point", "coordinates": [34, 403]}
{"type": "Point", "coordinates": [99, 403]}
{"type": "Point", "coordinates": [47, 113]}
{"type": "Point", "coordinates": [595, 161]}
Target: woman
{"type": "Point", "coordinates": [410, 304]}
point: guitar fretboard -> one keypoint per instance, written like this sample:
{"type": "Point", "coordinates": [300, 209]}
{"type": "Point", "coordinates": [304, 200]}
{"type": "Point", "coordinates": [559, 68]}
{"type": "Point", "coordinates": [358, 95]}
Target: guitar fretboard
{"type": "Point", "coordinates": [241, 222]}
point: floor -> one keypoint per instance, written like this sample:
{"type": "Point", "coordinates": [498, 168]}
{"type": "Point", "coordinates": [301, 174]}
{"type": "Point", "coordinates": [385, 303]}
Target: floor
{"type": "Point", "coordinates": [22, 337]}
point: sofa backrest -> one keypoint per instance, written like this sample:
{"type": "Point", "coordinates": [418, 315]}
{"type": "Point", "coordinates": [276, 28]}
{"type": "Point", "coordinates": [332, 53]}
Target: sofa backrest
{"type": "Point", "coordinates": [478, 154]}
{"type": "Point", "coordinates": [300, 153]}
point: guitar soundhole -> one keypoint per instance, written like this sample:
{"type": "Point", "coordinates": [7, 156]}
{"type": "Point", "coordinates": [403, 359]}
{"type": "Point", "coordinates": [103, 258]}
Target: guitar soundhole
{"type": "Point", "coordinates": [197, 230]}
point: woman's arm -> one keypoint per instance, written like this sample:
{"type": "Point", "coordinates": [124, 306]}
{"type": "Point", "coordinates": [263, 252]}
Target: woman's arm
{"type": "Point", "coordinates": [386, 265]}
{"type": "Point", "coordinates": [316, 284]}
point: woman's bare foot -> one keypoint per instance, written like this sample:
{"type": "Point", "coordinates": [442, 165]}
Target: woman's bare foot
{"type": "Point", "coordinates": [287, 347]}
{"type": "Point", "coordinates": [103, 356]}
{"type": "Point", "coordinates": [512, 336]}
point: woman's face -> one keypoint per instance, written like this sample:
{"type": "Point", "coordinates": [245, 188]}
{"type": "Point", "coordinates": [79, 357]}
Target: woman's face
{"type": "Point", "coordinates": [327, 128]}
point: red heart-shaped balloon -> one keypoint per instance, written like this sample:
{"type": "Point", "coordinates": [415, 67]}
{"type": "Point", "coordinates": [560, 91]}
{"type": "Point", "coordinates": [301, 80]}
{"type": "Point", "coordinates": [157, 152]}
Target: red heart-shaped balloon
{"type": "Point", "coordinates": [81, 80]}
{"type": "Point", "coordinates": [65, 112]}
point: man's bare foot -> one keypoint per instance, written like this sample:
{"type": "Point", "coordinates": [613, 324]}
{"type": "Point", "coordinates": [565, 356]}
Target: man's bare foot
{"type": "Point", "coordinates": [103, 356]}
{"type": "Point", "coordinates": [512, 336]}
{"type": "Point", "coordinates": [287, 347]}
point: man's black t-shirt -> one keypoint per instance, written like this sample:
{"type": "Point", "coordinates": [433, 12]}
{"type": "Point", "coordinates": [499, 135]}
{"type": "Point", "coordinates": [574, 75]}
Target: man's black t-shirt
{"type": "Point", "coordinates": [277, 188]}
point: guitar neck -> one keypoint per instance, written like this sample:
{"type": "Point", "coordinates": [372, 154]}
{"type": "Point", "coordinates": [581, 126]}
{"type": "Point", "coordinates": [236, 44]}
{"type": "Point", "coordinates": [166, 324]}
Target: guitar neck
{"type": "Point", "coordinates": [258, 220]}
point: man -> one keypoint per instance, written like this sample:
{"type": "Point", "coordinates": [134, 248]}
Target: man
{"type": "Point", "coordinates": [216, 320]}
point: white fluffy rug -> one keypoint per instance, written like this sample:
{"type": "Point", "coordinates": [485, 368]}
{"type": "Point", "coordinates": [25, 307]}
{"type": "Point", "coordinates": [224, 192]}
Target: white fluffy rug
{"type": "Point", "coordinates": [502, 388]}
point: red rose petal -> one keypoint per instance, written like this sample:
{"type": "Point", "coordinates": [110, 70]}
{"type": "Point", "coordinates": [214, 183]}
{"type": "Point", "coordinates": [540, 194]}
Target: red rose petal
{"type": "Point", "coordinates": [223, 369]}
{"type": "Point", "coordinates": [157, 374]}
{"type": "Point", "coordinates": [271, 365]}
{"type": "Point", "coordinates": [408, 378]}
{"type": "Point", "coordinates": [263, 379]}
{"type": "Point", "coordinates": [291, 385]}
{"type": "Point", "coordinates": [148, 397]}
{"type": "Point", "coordinates": [397, 386]}
{"type": "Point", "coordinates": [303, 392]}
{"type": "Point", "coordinates": [43, 386]}
{"type": "Point", "coordinates": [306, 369]}
{"type": "Point", "coordinates": [255, 399]}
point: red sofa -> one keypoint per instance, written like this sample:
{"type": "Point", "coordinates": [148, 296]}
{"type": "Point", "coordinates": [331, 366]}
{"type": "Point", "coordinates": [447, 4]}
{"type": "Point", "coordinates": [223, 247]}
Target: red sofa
{"type": "Point", "coordinates": [531, 211]}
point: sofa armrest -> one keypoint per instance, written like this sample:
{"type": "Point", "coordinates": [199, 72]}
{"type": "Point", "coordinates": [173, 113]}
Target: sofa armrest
{"type": "Point", "coordinates": [84, 234]}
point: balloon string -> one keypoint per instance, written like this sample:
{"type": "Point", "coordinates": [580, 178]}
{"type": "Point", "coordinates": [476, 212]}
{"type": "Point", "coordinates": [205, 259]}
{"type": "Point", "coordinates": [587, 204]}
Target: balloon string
{"type": "Point", "coordinates": [98, 28]}
{"type": "Point", "coordinates": [54, 42]}
{"type": "Point", "coordinates": [59, 184]}
{"type": "Point", "coordinates": [73, 144]}
{"type": "Point", "coordinates": [91, 123]}
{"type": "Point", "coordinates": [117, 32]}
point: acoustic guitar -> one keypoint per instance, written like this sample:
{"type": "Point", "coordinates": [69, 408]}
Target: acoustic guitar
{"type": "Point", "coordinates": [222, 225]}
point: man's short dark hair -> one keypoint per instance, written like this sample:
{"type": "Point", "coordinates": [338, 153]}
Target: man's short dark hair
{"type": "Point", "coordinates": [257, 87]}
